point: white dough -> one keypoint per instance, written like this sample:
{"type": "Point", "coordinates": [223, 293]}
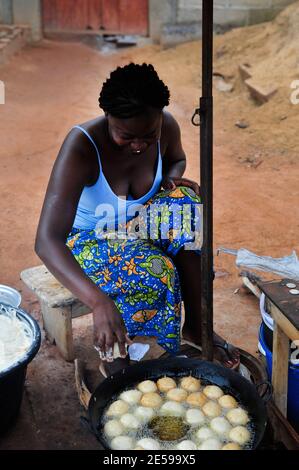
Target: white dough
{"type": "Point", "coordinates": [186, 445]}
{"type": "Point", "coordinates": [131, 396]}
{"type": "Point", "coordinates": [165, 384]}
{"type": "Point", "coordinates": [210, 444]}
{"type": "Point", "coordinates": [144, 414]}
{"type": "Point", "coordinates": [240, 435]}
{"type": "Point", "coordinates": [122, 443]}
{"type": "Point", "coordinates": [196, 399]}
{"type": "Point", "coordinates": [204, 433]}
{"type": "Point", "coordinates": [190, 384]}
{"type": "Point", "coordinates": [238, 416]}
{"type": "Point", "coordinates": [231, 446]}
{"type": "Point", "coordinates": [148, 444]}
{"type": "Point", "coordinates": [117, 408]}
{"type": "Point", "coordinates": [151, 400]}
{"type": "Point", "coordinates": [221, 426]}
{"type": "Point", "coordinates": [130, 421]}
{"type": "Point", "coordinates": [147, 386]}
{"type": "Point", "coordinates": [172, 408]}
{"type": "Point", "coordinates": [213, 392]}
{"type": "Point", "coordinates": [113, 428]}
{"type": "Point", "coordinates": [227, 401]}
{"type": "Point", "coordinates": [212, 409]}
{"type": "Point", "coordinates": [195, 416]}
{"type": "Point", "coordinates": [177, 394]}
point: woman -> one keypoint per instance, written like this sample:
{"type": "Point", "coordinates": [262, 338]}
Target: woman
{"type": "Point", "coordinates": [108, 171]}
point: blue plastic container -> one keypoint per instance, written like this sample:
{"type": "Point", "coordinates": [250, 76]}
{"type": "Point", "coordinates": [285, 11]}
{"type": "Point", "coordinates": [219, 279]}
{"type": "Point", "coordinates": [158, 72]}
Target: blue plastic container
{"type": "Point", "coordinates": [293, 383]}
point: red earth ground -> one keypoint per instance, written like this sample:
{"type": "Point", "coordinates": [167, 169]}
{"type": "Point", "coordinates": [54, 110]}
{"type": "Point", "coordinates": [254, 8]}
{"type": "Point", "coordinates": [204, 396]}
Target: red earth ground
{"type": "Point", "coordinates": [52, 86]}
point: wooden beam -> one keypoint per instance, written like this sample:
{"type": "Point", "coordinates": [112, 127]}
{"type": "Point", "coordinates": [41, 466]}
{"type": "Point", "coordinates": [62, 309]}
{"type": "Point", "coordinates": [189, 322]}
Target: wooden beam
{"type": "Point", "coordinates": [280, 369]}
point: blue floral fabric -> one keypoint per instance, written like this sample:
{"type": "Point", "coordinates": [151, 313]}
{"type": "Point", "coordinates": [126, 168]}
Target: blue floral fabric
{"type": "Point", "coordinates": [138, 272]}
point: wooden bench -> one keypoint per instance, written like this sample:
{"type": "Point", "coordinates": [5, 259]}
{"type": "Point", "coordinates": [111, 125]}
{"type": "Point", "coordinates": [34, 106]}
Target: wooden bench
{"type": "Point", "coordinates": [58, 307]}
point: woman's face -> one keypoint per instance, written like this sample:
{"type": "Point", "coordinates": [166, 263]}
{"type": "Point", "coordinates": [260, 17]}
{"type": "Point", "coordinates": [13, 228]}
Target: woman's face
{"type": "Point", "coordinates": [134, 135]}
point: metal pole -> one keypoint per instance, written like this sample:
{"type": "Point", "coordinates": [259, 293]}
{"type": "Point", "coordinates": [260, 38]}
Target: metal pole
{"type": "Point", "coordinates": [206, 180]}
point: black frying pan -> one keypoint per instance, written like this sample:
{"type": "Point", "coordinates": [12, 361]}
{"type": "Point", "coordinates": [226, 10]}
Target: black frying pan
{"type": "Point", "coordinates": [231, 382]}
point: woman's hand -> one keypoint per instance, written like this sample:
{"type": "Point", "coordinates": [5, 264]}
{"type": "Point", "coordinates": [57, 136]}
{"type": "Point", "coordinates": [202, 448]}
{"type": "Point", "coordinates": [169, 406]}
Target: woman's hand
{"type": "Point", "coordinates": [109, 328]}
{"type": "Point", "coordinates": [171, 182]}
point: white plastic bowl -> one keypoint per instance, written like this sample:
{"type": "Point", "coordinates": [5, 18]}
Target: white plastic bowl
{"type": "Point", "coordinates": [10, 296]}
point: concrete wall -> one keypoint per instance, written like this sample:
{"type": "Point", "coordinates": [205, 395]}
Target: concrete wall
{"type": "Point", "coordinates": [175, 21]}
{"type": "Point", "coordinates": [23, 12]}
{"type": "Point", "coordinates": [6, 11]}
{"type": "Point", "coordinates": [228, 13]}
{"type": "Point", "coordinates": [29, 12]}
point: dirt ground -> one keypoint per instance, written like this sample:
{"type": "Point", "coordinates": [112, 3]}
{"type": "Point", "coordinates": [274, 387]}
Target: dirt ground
{"type": "Point", "coordinates": [54, 85]}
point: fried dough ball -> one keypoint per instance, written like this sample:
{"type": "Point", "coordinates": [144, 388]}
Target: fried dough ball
{"type": "Point", "coordinates": [144, 414]}
{"type": "Point", "coordinates": [240, 435]}
{"type": "Point", "coordinates": [227, 401]}
{"type": "Point", "coordinates": [186, 445]}
{"type": "Point", "coordinates": [213, 392]}
{"type": "Point", "coordinates": [195, 416]}
{"type": "Point", "coordinates": [238, 417]}
{"type": "Point", "coordinates": [212, 409]}
{"type": "Point", "coordinates": [172, 408]}
{"type": "Point", "coordinates": [151, 400]}
{"type": "Point", "coordinates": [165, 384]}
{"type": "Point", "coordinates": [177, 394]}
{"type": "Point", "coordinates": [148, 444]}
{"type": "Point", "coordinates": [231, 446]}
{"type": "Point", "coordinates": [190, 384]}
{"type": "Point", "coordinates": [211, 444]}
{"type": "Point", "coordinates": [204, 433]}
{"type": "Point", "coordinates": [196, 399]}
{"type": "Point", "coordinates": [221, 426]}
{"type": "Point", "coordinates": [122, 443]}
{"type": "Point", "coordinates": [130, 421]}
{"type": "Point", "coordinates": [147, 386]}
{"type": "Point", "coordinates": [113, 428]}
{"type": "Point", "coordinates": [118, 408]}
{"type": "Point", "coordinates": [131, 397]}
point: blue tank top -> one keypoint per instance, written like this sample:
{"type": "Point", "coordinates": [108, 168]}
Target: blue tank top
{"type": "Point", "coordinates": [99, 205]}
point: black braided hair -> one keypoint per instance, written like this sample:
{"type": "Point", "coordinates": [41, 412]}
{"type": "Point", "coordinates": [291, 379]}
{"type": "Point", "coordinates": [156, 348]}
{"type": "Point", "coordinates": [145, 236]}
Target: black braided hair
{"type": "Point", "coordinates": [131, 89]}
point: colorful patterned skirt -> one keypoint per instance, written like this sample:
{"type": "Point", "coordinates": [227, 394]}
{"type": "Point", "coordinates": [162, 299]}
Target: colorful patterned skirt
{"type": "Point", "coordinates": [138, 272]}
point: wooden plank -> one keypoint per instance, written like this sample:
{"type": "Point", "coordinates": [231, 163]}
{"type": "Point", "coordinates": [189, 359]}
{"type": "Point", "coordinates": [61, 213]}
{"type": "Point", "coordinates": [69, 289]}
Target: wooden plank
{"type": "Point", "coordinates": [110, 15]}
{"type": "Point", "coordinates": [46, 287]}
{"type": "Point", "coordinates": [134, 16]}
{"type": "Point", "coordinates": [279, 295]}
{"type": "Point", "coordinates": [283, 431]}
{"type": "Point", "coordinates": [58, 327]}
{"type": "Point", "coordinates": [280, 368]}
{"type": "Point", "coordinates": [72, 14]}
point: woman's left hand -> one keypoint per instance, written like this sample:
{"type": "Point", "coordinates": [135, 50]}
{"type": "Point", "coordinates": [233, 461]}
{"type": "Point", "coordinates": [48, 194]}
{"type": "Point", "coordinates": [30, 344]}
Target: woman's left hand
{"type": "Point", "coordinates": [172, 182]}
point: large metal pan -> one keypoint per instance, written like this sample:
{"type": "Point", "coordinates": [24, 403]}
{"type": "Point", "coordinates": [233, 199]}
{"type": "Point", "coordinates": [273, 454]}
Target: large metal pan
{"type": "Point", "coordinates": [231, 382]}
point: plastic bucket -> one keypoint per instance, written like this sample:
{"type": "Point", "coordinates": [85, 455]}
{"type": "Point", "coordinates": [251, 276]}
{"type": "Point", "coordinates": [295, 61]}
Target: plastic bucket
{"type": "Point", "coordinates": [12, 379]}
{"type": "Point", "coordinates": [293, 381]}
{"type": "Point", "coordinates": [268, 323]}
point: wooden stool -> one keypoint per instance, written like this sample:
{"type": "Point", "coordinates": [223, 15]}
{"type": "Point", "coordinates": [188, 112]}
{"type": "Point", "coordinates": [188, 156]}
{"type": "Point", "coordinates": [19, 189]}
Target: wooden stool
{"type": "Point", "coordinates": [284, 308]}
{"type": "Point", "coordinates": [58, 307]}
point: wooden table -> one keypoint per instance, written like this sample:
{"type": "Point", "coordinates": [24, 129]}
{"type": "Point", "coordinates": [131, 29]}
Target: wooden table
{"type": "Point", "coordinates": [284, 308]}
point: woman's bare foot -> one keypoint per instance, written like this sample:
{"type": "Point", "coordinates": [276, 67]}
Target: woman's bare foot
{"type": "Point", "coordinates": [224, 352]}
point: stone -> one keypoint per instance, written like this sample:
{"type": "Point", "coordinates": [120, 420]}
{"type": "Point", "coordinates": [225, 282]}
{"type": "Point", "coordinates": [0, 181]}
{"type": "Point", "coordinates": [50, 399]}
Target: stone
{"type": "Point", "coordinates": [245, 71]}
{"type": "Point", "coordinates": [260, 93]}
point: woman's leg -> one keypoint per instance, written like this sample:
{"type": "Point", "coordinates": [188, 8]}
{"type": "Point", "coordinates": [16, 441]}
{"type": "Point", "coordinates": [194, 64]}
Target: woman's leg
{"type": "Point", "coordinates": [187, 262]}
{"type": "Point", "coordinates": [188, 266]}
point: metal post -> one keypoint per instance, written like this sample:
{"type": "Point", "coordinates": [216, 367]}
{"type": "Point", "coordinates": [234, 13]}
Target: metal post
{"type": "Point", "coordinates": [206, 180]}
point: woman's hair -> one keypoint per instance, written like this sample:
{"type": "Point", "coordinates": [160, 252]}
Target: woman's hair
{"type": "Point", "coordinates": [131, 89]}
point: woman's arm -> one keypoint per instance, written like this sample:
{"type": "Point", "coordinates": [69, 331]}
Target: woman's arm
{"type": "Point", "coordinates": [71, 172]}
